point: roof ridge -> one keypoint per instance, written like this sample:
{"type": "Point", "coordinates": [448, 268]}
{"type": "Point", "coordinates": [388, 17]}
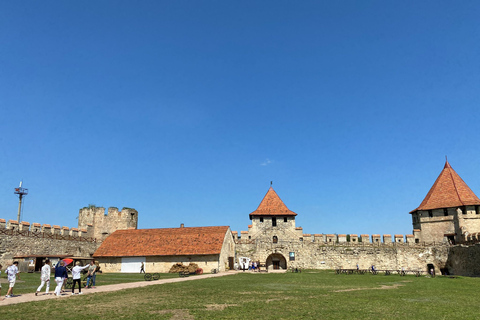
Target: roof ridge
{"type": "Point", "coordinates": [453, 180]}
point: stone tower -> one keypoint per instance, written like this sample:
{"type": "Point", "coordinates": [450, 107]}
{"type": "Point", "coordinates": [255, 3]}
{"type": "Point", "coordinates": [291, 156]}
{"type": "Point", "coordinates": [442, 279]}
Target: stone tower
{"type": "Point", "coordinates": [103, 224]}
{"type": "Point", "coordinates": [273, 221]}
{"type": "Point", "coordinates": [449, 212]}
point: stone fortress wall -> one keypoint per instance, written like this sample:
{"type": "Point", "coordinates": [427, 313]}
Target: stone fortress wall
{"type": "Point", "coordinates": [35, 239]}
{"type": "Point", "coordinates": [32, 239]}
{"type": "Point", "coordinates": [328, 251]}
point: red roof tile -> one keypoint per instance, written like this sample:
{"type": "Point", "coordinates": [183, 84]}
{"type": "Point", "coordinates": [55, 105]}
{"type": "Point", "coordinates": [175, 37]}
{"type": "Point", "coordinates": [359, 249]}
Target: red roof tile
{"type": "Point", "coordinates": [272, 205]}
{"type": "Point", "coordinates": [449, 190]}
{"type": "Point", "coordinates": [163, 242]}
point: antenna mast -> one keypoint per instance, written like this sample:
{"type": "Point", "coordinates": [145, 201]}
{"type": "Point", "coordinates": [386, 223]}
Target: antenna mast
{"type": "Point", "coordinates": [21, 192]}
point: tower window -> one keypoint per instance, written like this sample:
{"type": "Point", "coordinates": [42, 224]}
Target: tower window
{"type": "Point", "coordinates": [477, 209]}
{"type": "Point", "coordinates": [275, 239]}
{"type": "Point", "coordinates": [445, 212]}
{"type": "Point", "coordinates": [430, 213]}
{"type": "Point", "coordinates": [274, 222]}
{"type": "Point", "coordinates": [285, 219]}
{"type": "Point", "coordinates": [261, 219]}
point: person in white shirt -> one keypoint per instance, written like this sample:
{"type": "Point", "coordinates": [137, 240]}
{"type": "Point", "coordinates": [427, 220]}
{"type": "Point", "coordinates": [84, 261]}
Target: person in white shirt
{"type": "Point", "coordinates": [45, 277]}
{"type": "Point", "coordinates": [76, 277]}
{"type": "Point", "coordinates": [12, 277]}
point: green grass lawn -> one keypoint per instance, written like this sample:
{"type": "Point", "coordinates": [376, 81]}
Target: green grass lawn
{"type": "Point", "coordinates": [306, 295]}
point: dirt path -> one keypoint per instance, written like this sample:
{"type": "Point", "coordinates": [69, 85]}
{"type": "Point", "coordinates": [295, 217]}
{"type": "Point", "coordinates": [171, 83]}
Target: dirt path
{"type": "Point", "coordinates": [107, 288]}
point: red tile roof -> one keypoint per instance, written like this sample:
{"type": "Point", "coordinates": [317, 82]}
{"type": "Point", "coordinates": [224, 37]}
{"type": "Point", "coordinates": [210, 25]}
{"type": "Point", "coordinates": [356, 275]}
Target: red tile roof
{"type": "Point", "coordinates": [163, 242]}
{"type": "Point", "coordinates": [449, 190]}
{"type": "Point", "coordinates": [272, 205]}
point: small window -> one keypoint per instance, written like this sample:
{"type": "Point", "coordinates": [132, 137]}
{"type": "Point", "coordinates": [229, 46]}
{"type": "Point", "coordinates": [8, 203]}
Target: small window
{"type": "Point", "coordinates": [301, 239]}
{"type": "Point", "coordinates": [430, 213]}
{"type": "Point", "coordinates": [249, 237]}
{"type": "Point", "coordinates": [417, 240]}
{"type": "Point", "coordinates": [275, 239]}
{"type": "Point", "coordinates": [285, 219]}
{"type": "Point", "coordinates": [274, 222]}
{"type": "Point", "coordinates": [445, 212]}
{"type": "Point", "coordinates": [261, 219]}
{"type": "Point", "coordinates": [464, 210]}
{"type": "Point", "coordinates": [477, 209]}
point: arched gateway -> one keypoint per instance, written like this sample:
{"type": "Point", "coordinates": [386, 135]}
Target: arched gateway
{"type": "Point", "coordinates": [276, 261]}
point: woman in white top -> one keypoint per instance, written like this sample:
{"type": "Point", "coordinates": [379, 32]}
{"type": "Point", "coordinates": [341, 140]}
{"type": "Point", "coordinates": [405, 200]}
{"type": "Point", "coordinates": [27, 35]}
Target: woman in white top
{"type": "Point", "coordinates": [45, 277]}
{"type": "Point", "coordinates": [76, 277]}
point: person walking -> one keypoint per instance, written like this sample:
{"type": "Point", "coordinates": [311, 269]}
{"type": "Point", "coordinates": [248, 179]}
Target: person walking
{"type": "Point", "coordinates": [76, 277]}
{"type": "Point", "coordinates": [92, 274]}
{"type": "Point", "coordinates": [142, 268]}
{"type": "Point", "coordinates": [45, 277]}
{"type": "Point", "coordinates": [12, 277]}
{"type": "Point", "coordinates": [60, 275]}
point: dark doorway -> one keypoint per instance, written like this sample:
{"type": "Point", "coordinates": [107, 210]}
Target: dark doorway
{"type": "Point", "coordinates": [276, 261]}
{"type": "Point", "coordinates": [38, 264]}
{"type": "Point", "coordinates": [231, 265]}
{"type": "Point", "coordinates": [431, 269]}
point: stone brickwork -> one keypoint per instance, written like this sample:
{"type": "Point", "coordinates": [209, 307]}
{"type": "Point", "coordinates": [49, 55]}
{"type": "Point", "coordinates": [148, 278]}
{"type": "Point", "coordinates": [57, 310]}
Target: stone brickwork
{"type": "Point", "coordinates": [26, 239]}
{"type": "Point", "coordinates": [104, 224]}
{"type": "Point", "coordinates": [317, 254]}
{"type": "Point", "coordinates": [463, 260]}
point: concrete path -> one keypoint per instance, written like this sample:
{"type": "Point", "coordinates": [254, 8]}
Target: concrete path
{"type": "Point", "coordinates": [28, 297]}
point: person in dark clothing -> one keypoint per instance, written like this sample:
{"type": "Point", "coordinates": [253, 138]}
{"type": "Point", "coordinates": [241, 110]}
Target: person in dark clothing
{"type": "Point", "coordinates": [60, 275]}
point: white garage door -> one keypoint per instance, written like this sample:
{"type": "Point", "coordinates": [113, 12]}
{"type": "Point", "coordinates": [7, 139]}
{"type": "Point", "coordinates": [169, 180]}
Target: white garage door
{"type": "Point", "coordinates": [132, 264]}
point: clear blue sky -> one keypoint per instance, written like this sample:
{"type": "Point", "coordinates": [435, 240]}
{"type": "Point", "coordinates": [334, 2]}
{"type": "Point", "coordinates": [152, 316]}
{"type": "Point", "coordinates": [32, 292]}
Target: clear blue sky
{"type": "Point", "coordinates": [186, 110]}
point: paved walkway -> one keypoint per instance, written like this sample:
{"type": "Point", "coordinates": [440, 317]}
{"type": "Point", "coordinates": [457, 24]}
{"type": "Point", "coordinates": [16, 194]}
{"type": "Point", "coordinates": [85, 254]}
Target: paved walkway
{"type": "Point", "coordinates": [28, 297]}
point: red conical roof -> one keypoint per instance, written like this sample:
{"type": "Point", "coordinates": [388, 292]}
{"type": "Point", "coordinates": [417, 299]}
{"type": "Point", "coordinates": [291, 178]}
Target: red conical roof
{"type": "Point", "coordinates": [272, 205]}
{"type": "Point", "coordinates": [449, 190]}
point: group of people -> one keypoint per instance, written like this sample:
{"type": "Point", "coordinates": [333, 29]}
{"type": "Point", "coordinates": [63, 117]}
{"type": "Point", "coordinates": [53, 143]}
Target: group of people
{"type": "Point", "coordinates": [253, 266]}
{"type": "Point", "coordinates": [61, 276]}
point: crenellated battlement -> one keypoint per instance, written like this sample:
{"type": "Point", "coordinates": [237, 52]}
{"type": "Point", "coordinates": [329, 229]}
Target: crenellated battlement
{"type": "Point", "coordinates": [106, 221]}
{"type": "Point", "coordinates": [348, 239]}
{"type": "Point", "coordinates": [46, 230]}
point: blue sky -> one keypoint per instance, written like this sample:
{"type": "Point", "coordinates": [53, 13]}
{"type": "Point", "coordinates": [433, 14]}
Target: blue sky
{"type": "Point", "coordinates": [186, 110]}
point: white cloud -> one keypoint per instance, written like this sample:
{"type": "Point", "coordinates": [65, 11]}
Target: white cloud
{"type": "Point", "coordinates": [266, 162]}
